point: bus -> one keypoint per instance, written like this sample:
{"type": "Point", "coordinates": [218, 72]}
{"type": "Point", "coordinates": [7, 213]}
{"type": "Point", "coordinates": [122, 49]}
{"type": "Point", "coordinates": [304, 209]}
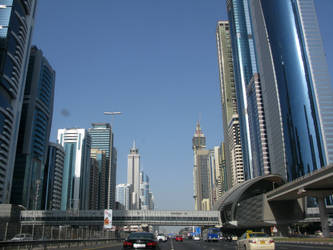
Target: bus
{"type": "Point", "coordinates": [211, 234]}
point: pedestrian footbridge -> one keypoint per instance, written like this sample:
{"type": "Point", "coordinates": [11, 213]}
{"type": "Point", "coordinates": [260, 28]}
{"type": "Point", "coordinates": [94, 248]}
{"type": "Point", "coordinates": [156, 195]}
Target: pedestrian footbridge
{"type": "Point", "coordinates": [121, 218]}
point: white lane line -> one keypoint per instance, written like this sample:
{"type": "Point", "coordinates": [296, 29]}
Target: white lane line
{"type": "Point", "coordinates": [172, 245]}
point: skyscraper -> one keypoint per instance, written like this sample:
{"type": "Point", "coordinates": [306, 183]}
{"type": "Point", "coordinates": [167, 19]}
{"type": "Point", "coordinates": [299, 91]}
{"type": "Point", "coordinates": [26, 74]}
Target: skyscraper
{"type": "Point", "coordinates": [231, 127]}
{"type": "Point", "coordinates": [34, 132]}
{"type": "Point", "coordinates": [16, 24]}
{"type": "Point", "coordinates": [100, 160]}
{"type": "Point", "coordinates": [53, 175]}
{"type": "Point", "coordinates": [298, 97]}
{"type": "Point", "coordinates": [133, 175]}
{"type": "Point", "coordinates": [124, 195]}
{"type": "Point", "coordinates": [201, 171]}
{"type": "Point", "coordinates": [144, 191]}
{"type": "Point", "coordinates": [76, 173]}
{"type": "Point", "coordinates": [102, 139]}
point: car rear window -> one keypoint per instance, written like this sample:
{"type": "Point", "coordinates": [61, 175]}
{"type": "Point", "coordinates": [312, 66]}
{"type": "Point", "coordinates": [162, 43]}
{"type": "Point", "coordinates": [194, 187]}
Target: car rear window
{"type": "Point", "coordinates": [141, 236]}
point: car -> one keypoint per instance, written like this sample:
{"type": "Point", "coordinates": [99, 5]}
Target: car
{"type": "Point", "coordinates": [142, 240]}
{"type": "Point", "coordinates": [196, 237]}
{"type": "Point", "coordinates": [255, 240]}
{"type": "Point", "coordinates": [22, 237]}
{"type": "Point", "coordinates": [179, 238]}
{"type": "Point", "coordinates": [161, 237]}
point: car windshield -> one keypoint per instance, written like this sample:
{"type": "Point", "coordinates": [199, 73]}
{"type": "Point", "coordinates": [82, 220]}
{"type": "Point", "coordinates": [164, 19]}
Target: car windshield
{"type": "Point", "coordinates": [258, 235]}
{"type": "Point", "coordinates": [149, 236]}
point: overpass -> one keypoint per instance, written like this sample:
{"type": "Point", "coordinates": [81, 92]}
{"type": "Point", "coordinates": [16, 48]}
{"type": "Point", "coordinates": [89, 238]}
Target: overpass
{"type": "Point", "coordinates": [121, 218]}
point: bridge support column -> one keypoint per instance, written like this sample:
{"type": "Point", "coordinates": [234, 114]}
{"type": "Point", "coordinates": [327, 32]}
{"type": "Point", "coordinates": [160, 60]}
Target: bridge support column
{"type": "Point", "coordinates": [323, 216]}
{"type": "Point", "coordinates": [283, 229]}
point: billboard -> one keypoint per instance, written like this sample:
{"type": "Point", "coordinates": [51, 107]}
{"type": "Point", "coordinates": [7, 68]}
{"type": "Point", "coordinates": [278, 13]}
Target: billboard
{"type": "Point", "coordinates": [107, 218]}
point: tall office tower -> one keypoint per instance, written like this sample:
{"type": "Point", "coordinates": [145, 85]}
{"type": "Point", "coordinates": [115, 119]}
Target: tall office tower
{"type": "Point", "coordinates": [151, 201]}
{"type": "Point", "coordinates": [248, 90]}
{"type": "Point", "coordinates": [124, 195]}
{"type": "Point", "coordinates": [297, 96]}
{"type": "Point", "coordinates": [218, 165]}
{"type": "Point", "coordinates": [76, 174]}
{"type": "Point", "coordinates": [223, 174]}
{"type": "Point", "coordinates": [93, 185]}
{"type": "Point", "coordinates": [102, 139]}
{"type": "Point", "coordinates": [100, 157]}
{"type": "Point", "coordinates": [133, 175]}
{"type": "Point", "coordinates": [34, 132]}
{"type": "Point", "coordinates": [231, 127]}
{"type": "Point", "coordinates": [16, 24]}
{"type": "Point", "coordinates": [201, 171]}
{"type": "Point", "coordinates": [53, 174]}
{"type": "Point", "coordinates": [144, 191]}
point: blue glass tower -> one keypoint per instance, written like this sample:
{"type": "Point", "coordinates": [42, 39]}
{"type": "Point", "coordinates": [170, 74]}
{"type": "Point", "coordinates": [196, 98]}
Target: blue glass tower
{"type": "Point", "coordinates": [34, 132]}
{"type": "Point", "coordinates": [16, 23]}
{"type": "Point", "coordinates": [244, 67]}
{"type": "Point", "coordinates": [298, 95]}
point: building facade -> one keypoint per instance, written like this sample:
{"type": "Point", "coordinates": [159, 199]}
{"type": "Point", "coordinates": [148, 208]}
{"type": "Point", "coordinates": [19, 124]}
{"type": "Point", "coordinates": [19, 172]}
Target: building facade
{"type": "Point", "coordinates": [99, 157]}
{"type": "Point", "coordinates": [102, 139]}
{"type": "Point", "coordinates": [298, 96]}
{"type": "Point", "coordinates": [133, 175]}
{"type": "Point", "coordinates": [53, 174]}
{"type": "Point", "coordinates": [201, 171]}
{"type": "Point", "coordinates": [231, 127]}
{"type": "Point", "coordinates": [16, 21]}
{"type": "Point", "coordinates": [124, 195]}
{"type": "Point", "coordinates": [76, 173]}
{"type": "Point", "coordinates": [34, 132]}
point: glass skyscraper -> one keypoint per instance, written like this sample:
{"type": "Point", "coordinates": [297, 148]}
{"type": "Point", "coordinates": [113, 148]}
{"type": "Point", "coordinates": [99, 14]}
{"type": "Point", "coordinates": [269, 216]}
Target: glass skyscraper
{"type": "Point", "coordinates": [76, 173]}
{"type": "Point", "coordinates": [16, 23]}
{"type": "Point", "coordinates": [102, 139]}
{"type": "Point", "coordinates": [53, 174]}
{"type": "Point", "coordinates": [298, 96]}
{"type": "Point", "coordinates": [245, 65]}
{"type": "Point", "coordinates": [34, 132]}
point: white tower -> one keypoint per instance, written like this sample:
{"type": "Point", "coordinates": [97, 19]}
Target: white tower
{"type": "Point", "coordinates": [133, 175]}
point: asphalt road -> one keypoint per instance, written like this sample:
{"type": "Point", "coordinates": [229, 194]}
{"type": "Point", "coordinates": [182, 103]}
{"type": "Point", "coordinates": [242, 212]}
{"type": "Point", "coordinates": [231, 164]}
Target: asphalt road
{"type": "Point", "coordinates": [201, 245]}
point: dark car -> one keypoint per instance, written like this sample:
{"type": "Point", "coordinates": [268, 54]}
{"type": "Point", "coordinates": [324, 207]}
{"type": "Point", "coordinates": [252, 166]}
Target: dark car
{"type": "Point", "coordinates": [141, 240]}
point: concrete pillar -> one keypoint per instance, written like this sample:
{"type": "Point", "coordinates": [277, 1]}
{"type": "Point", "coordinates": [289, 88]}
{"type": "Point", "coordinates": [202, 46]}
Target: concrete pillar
{"type": "Point", "coordinates": [283, 229]}
{"type": "Point", "coordinates": [323, 216]}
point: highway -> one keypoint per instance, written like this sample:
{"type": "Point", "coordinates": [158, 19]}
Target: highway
{"type": "Point", "coordinates": [201, 245]}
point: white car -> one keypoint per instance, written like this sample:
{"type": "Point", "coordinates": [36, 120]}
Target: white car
{"type": "Point", "coordinates": [196, 237]}
{"type": "Point", "coordinates": [161, 237]}
{"type": "Point", "coordinates": [22, 237]}
{"type": "Point", "coordinates": [255, 240]}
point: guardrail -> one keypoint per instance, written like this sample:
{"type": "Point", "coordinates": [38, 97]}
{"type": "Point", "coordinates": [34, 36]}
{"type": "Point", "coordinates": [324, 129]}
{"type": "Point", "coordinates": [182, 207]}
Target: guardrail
{"type": "Point", "coordinates": [45, 244]}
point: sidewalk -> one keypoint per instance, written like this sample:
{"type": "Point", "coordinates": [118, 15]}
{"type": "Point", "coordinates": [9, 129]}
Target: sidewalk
{"type": "Point", "coordinates": [310, 241]}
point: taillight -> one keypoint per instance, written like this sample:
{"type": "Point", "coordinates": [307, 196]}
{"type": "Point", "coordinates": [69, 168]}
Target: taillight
{"type": "Point", "coordinates": [271, 241]}
{"type": "Point", "coordinates": [252, 241]}
{"type": "Point", "coordinates": [127, 244]}
{"type": "Point", "coordinates": [152, 244]}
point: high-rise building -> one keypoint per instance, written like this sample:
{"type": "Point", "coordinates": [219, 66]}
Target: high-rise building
{"type": "Point", "coordinates": [76, 173]}
{"type": "Point", "coordinates": [124, 195]}
{"type": "Point", "coordinates": [144, 191]}
{"type": "Point", "coordinates": [231, 127]}
{"type": "Point", "coordinates": [217, 163]}
{"type": "Point", "coordinates": [94, 185]}
{"type": "Point", "coordinates": [102, 139]}
{"type": "Point", "coordinates": [244, 64]}
{"type": "Point", "coordinates": [100, 160]}
{"type": "Point", "coordinates": [201, 170]}
{"type": "Point", "coordinates": [34, 132]}
{"type": "Point", "coordinates": [53, 174]}
{"type": "Point", "coordinates": [297, 97]}
{"type": "Point", "coordinates": [133, 175]}
{"type": "Point", "coordinates": [16, 22]}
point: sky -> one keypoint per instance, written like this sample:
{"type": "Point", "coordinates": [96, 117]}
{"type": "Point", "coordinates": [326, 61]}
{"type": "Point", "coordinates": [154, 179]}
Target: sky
{"type": "Point", "coordinates": [156, 62]}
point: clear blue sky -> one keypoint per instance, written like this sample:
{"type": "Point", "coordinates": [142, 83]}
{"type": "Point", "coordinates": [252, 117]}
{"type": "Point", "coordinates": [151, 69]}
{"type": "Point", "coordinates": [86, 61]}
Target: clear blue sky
{"type": "Point", "coordinates": [153, 60]}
